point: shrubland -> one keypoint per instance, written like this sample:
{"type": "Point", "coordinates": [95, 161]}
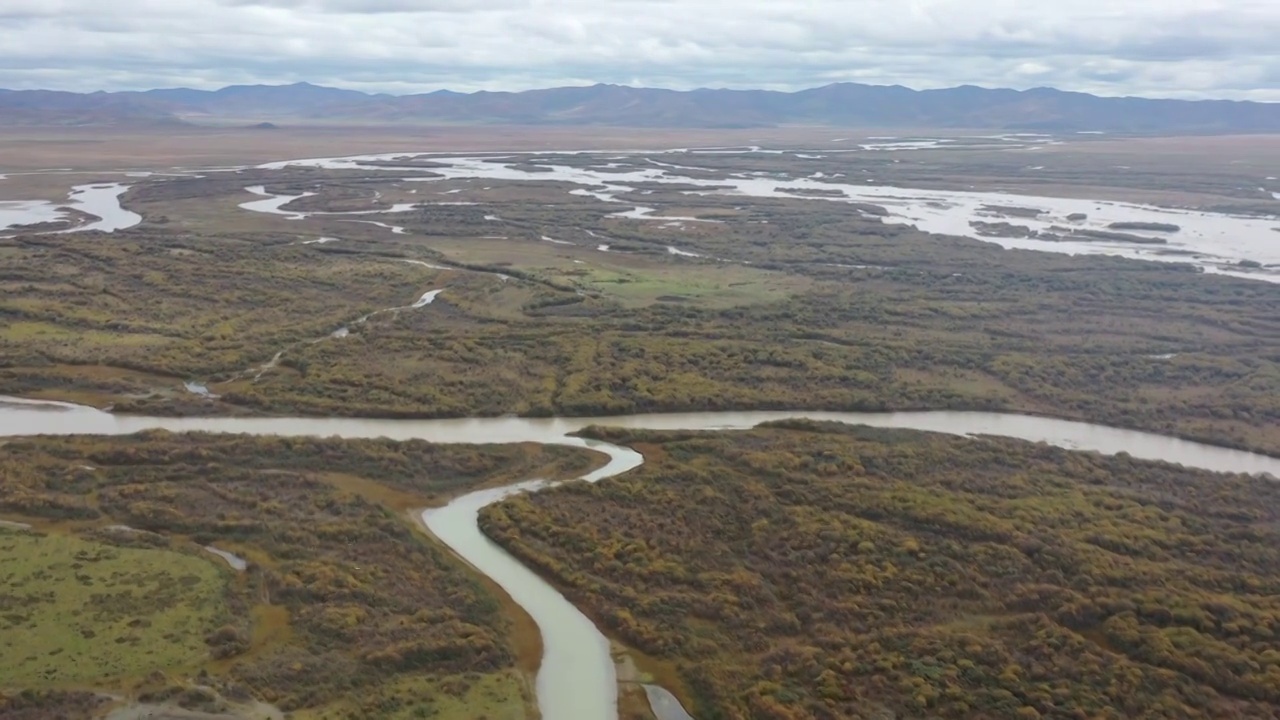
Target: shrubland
{"type": "Point", "coordinates": [808, 570]}
{"type": "Point", "coordinates": [344, 607]}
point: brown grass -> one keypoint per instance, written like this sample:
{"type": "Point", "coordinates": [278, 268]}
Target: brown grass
{"type": "Point", "coordinates": [95, 148]}
{"type": "Point", "coordinates": [27, 149]}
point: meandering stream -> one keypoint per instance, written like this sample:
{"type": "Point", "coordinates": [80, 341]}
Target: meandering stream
{"type": "Point", "coordinates": [577, 678]}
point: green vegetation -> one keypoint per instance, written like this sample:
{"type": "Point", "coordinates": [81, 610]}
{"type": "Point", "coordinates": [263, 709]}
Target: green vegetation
{"type": "Point", "coordinates": [821, 571]}
{"type": "Point", "coordinates": [809, 572]}
{"type": "Point", "coordinates": [176, 307]}
{"type": "Point", "coordinates": [345, 609]}
{"type": "Point", "coordinates": [807, 304]}
{"type": "Point", "coordinates": [495, 696]}
{"type": "Point", "coordinates": [74, 611]}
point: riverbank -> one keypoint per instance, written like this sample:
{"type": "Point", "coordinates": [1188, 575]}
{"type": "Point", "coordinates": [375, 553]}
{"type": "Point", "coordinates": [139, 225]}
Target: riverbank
{"type": "Point", "coordinates": [785, 303]}
{"type": "Point", "coordinates": [729, 287]}
{"type": "Point", "coordinates": [806, 569]}
{"type": "Point", "coordinates": [316, 565]}
{"type": "Point", "coordinates": [201, 410]}
{"type": "Point", "coordinates": [577, 671]}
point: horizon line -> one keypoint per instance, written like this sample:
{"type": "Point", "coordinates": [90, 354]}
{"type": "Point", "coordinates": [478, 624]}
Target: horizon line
{"type": "Point", "coordinates": [962, 86]}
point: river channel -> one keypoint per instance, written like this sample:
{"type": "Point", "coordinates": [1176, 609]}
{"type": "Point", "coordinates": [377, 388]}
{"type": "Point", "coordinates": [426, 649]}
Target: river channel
{"type": "Point", "coordinates": [1215, 242]}
{"type": "Point", "coordinates": [577, 679]}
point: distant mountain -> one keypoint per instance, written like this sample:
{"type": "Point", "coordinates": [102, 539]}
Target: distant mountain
{"type": "Point", "coordinates": [240, 101]}
{"type": "Point", "coordinates": [47, 107]}
{"type": "Point", "coordinates": [840, 105]}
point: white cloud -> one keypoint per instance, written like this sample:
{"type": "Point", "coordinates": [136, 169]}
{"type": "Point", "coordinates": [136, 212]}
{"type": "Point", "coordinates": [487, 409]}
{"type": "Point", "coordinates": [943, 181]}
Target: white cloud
{"type": "Point", "coordinates": [1182, 48]}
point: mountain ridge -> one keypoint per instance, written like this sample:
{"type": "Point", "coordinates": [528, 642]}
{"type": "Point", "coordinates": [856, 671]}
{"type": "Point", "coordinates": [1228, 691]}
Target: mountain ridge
{"type": "Point", "coordinates": [835, 105]}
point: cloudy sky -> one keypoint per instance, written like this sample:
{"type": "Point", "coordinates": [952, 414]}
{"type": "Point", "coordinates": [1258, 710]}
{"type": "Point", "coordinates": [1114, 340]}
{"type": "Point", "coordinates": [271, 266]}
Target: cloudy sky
{"type": "Point", "coordinates": [1170, 48]}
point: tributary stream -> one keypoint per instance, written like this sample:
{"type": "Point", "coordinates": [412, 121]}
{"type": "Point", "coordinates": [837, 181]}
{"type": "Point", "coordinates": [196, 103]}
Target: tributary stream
{"type": "Point", "coordinates": [577, 679]}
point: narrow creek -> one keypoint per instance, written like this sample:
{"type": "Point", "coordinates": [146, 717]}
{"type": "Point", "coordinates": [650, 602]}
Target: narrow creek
{"type": "Point", "coordinates": [577, 678]}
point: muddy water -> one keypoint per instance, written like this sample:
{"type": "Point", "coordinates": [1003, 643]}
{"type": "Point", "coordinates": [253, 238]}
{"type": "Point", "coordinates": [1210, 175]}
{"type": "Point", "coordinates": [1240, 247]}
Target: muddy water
{"type": "Point", "coordinates": [577, 678]}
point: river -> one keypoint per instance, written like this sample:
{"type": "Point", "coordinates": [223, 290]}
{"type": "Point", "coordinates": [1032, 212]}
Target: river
{"type": "Point", "coordinates": [577, 678]}
{"type": "Point", "coordinates": [101, 200]}
{"type": "Point", "coordinates": [1216, 242]}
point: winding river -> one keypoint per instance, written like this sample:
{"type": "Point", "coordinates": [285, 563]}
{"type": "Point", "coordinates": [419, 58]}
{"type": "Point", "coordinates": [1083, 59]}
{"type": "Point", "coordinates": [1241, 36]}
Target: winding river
{"type": "Point", "coordinates": [577, 678]}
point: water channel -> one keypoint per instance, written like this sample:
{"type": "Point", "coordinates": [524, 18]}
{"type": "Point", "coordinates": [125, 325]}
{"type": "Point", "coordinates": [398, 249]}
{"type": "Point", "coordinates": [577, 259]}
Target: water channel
{"type": "Point", "coordinates": [1216, 242]}
{"type": "Point", "coordinates": [101, 200]}
{"type": "Point", "coordinates": [577, 678]}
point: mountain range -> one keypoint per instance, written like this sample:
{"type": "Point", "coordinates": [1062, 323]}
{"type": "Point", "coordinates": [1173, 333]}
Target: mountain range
{"type": "Point", "coordinates": [836, 105]}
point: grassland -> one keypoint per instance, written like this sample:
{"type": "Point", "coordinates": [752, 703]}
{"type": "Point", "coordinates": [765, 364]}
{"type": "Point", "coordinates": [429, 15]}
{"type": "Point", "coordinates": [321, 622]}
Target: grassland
{"type": "Point", "coordinates": [345, 608]}
{"type": "Point", "coordinates": [77, 611]}
{"type": "Point", "coordinates": [494, 696]}
{"type": "Point", "coordinates": [807, 571]}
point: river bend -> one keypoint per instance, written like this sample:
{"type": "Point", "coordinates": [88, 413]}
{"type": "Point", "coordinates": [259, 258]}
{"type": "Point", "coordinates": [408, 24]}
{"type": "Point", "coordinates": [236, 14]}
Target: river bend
{"type": "Point", "coordinates": [577, 677]}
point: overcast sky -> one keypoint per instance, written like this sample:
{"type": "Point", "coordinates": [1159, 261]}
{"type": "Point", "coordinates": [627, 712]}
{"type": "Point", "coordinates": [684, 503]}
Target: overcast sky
{"type": "Point", "coordinates": [1169, 48]}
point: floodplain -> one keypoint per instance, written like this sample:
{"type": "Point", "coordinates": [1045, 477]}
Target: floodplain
{"type": "Point", "coordinates": [1129, 282]}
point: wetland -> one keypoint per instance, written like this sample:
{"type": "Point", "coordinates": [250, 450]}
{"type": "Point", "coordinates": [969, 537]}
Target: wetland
{"type": "Point", "coordinates": [382, 296]}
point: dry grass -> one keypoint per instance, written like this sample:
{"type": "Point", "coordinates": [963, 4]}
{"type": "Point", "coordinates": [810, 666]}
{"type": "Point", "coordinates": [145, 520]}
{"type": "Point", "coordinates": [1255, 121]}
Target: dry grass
{"type": "Point", "coordinates": [98, 149]}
